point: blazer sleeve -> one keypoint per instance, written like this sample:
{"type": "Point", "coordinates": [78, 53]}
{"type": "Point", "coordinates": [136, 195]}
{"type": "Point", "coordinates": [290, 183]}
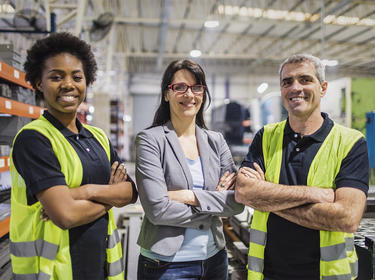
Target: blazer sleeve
{"type": "Point", "coordinates": [153, 191]}
{"type": "Point", "coordinates": [220, 203]}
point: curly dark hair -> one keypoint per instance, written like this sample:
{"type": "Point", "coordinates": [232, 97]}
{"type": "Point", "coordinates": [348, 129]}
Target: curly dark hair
{"type": "Point", "coordinates": [162, 114]}
{"type": "Point", "coordinates": [54, 44]}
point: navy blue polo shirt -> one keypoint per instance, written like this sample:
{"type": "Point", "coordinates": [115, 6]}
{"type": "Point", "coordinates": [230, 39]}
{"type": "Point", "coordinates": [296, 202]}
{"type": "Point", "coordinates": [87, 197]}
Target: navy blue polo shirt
{"type": "Point", "coordinates": [292, 251]}
{"type": "Point", "coordinates": [37, 163]}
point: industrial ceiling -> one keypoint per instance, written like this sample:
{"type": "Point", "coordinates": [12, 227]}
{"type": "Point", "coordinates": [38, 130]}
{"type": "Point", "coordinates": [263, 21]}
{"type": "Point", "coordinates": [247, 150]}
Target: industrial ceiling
{"type": "Point", "coordinates": [231, 36]}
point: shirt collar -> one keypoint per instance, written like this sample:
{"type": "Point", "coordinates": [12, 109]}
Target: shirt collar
{"type": "Point", "coordinates": [65, 131]}
{"type": "Point", "coordinates": [318, 135]}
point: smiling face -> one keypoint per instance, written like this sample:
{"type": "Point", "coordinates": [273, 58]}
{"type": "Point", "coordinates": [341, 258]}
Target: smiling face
{"type": "Point", "coordinates": [301, 90]}
{"type": "Point", "coordinates": [63, 84]}
{"type": "Point", "coordinates": [185, 105]}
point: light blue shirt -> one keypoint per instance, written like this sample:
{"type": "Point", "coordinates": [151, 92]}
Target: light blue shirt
{"type": "Point", "coordinates": [198, 244]}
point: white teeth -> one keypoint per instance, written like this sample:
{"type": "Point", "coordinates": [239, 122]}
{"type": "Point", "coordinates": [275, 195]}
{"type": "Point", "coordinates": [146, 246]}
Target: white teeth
{"type": "Point", "coordinates": [67, 98]}
{"type": "Point", "coordinates": [297, 98]}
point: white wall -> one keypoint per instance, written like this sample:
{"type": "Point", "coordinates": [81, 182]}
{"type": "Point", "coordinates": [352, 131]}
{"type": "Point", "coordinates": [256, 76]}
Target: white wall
{"type": "Point", "coordinates": [331, 102]}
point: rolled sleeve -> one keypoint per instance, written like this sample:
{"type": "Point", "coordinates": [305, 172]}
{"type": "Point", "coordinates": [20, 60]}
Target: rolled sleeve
{"type": "Point", "coordinates": [218, 203]}
{"type": "Point", "coordinates": [36, 162]}
{"type": "Point", "coordinates": [354, 170]}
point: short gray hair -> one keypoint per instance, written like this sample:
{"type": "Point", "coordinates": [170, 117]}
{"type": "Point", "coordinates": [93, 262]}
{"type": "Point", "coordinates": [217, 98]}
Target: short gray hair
{"type": "Point", "coordinates": [298, 58]}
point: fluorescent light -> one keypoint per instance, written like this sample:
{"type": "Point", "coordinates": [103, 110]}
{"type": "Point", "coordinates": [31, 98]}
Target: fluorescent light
{"type": "Point", "coordinates": [195, 53]}
{"type": "Point", "coordinates": [262, 87]}
{"type": "Point", "coordinates": [127, 118]}
{"type": "Point", "coordinates": [232, 10]}
{"type": "Point", "coordinates": [6, 9]}
{"type": "Point", "coordinates": [328, 62]}
{"type": "Point", "coordinates": [211, 23]}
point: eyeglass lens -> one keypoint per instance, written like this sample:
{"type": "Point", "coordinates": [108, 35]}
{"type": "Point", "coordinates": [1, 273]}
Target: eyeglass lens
{"type": "Point", "coordinates": [182, 88]}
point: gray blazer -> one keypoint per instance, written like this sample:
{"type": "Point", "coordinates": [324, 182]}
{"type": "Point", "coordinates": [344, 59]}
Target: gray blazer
{"type": "Point", "coordinates": [160, 167]}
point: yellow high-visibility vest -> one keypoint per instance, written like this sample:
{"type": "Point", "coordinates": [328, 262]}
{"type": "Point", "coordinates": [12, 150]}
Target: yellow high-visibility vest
{"type": "Point", "coordinates": [338, 259]}
{"type": "Point", "coordinates": [40, 249]}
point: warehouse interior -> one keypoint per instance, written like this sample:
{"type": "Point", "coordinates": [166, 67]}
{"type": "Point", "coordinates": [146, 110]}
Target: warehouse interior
{"type": "Point", "coordinates": [239, 44]}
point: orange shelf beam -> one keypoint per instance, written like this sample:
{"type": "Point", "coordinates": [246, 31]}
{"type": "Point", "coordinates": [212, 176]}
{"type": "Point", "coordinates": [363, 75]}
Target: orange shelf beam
{"type": "Point", "coordinates": [4, 164]}
{"type": "Point", "coordinates": [4, 226]}
{"type": "Point", "coordinates": [13, 75]}
{"type": "Point", "coordinates": [12, 107]}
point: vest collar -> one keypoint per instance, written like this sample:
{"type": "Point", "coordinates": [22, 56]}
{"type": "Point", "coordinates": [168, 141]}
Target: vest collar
{"type": "Point", "coordinates": [319, 135]}
{"type": "Point", "coordinates": [65, 131]}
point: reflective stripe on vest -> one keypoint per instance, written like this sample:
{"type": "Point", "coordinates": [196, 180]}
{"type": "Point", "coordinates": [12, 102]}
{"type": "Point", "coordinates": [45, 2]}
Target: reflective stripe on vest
{"type": "Point", "coordinates": [258, 237]}
{"type": "Point", "coordinates": [115, 268]}
{"type": "Point", "coordinates": [337, 251]}
{"type": "Point", "coordinates": [39, 249]}
{"type": "Point", "coordinates": [113, 239]}
{"type": "Point", "coordinates": [338, 257]}
{"type": "Point", "coordinates": [255, 264]}
{"type": "Point", "coordinates": [40, 276]}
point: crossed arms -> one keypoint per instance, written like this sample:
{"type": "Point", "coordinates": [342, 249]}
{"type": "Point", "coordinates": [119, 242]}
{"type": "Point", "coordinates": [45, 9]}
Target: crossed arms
{"type": "Point", "coordinates": [311, 207]}
{"type": "Point", "coordinates": [69, 208]}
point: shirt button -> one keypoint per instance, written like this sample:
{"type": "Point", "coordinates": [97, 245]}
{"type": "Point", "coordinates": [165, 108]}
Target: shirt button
{"type": "Point", "coordinates": [87, 149]}
{"type": "Point", "coordinates": [77, 137]}
{"type": "Point", "coordinates": [201, 226]}
{"type": "Point", "coordinates": [208, 208]}
{"type": "Point", "coordinates": [297, 149]}
{"type": "Point", "coordinates": [295, 135]}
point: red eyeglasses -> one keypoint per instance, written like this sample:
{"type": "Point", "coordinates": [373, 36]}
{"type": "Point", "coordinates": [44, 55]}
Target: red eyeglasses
{"type": "Point", "coordinates": [181, 88]}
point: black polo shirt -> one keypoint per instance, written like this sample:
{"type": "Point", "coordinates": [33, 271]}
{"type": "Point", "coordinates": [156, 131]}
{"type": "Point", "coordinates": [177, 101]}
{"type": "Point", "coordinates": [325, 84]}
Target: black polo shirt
{"type": "Point", "coordinates": [37, 163]}
{"type": "Point", "coordinates": [292, 251]}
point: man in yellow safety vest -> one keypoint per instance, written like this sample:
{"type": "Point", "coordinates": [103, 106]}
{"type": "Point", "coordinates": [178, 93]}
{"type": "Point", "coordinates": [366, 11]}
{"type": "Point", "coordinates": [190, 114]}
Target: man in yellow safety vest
{"type": "Point", "coordinates": [307, 179]}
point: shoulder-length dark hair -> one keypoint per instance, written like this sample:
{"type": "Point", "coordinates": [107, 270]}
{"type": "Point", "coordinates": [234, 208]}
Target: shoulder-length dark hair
{"type": "Point", "coordinates": [163, 114]}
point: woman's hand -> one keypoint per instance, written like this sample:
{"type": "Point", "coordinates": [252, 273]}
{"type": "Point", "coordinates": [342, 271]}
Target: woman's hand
{"type": "Point", "coordinates": [118, 173]}
{"type": "Point", "coordinates": [226, 182]}
{"type": "Point", "coordinates": [184, 196]}
{"type": "Point", "coordinates": [256, 174]}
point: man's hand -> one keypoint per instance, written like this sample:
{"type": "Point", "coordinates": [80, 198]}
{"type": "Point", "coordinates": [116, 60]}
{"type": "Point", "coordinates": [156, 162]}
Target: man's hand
{"type": "Point", "coordinates": [251, 173]}
{"type": "Point", "coordinates": [253, 190]}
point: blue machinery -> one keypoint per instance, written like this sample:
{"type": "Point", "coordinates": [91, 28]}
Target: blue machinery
{"type": "Point", "coordinates": [370, 136]}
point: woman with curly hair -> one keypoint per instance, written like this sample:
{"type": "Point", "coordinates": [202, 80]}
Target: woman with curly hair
{"type": "Point", "coordinates": [65, 175]}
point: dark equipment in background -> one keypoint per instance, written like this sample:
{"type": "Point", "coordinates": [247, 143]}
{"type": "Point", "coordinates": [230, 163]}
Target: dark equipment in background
{"type": "Point", "coordinates": [101, 26]}
{"type": "Point", "coordinates": [229, 119]}
{"type": "Point", "coordinates": [370, 136]}
{"type": "Point", "coordinates": [233, 121]}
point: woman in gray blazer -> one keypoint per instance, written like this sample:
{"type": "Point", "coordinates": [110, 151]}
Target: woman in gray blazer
{"type": "Point", "coordinates": [184, 175]}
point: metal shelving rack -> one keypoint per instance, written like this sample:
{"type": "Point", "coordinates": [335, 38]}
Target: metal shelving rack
{"type": "Point", "coordinates": [10, 108]}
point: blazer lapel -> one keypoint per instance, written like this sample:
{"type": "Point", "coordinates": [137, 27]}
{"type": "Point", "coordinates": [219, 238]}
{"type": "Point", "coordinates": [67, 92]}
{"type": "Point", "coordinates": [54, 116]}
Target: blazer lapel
{"type": "Point", "coordinates": [172, 139]}
{"type": "Point", "coordinates": [204, 151]}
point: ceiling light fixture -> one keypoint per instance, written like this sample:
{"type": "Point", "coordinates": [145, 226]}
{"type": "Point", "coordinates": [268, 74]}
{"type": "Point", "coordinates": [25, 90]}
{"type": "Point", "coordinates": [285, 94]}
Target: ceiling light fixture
{"type": "Point", "coordinates": [229, 10]}
{"type": "Point", "coordinates": [195, 53]}
{"type": "Point", "coordinates": [6, 9]}
{"type": "Point", "coordinates": [330, 63]}
{"type": "Point", "coordinates": [211, 23]}
{"type": "Point", "coordinates": [262, 88]}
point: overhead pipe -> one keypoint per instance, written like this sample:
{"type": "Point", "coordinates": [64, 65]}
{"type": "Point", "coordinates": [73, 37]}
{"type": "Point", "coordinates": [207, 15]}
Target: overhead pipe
{"type": "Point", "coordinates": [165, 15]}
